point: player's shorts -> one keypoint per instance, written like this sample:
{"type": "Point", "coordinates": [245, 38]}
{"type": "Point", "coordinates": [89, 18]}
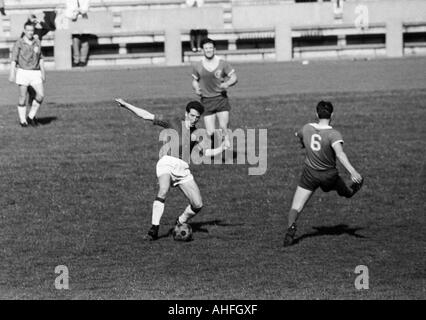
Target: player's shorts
{"type": "Point", "coordinates": [215, 104]}
{"type": "Point", "coordinates": [176, 168]}
{"type": "Point", "coordinates": [28, 77]}
{"type": "Point", "coordinates": [312, 179]}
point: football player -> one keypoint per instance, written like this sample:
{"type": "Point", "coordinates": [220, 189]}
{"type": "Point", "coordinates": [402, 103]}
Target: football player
{"type": "Point", "coordinates": [173, 170]}
{"type": "Point", "coordinates": [323, 145]}
{"type": "Point", "coordinates": [27, 69]}
{"type": "Point", "coordinates": [212, 76]}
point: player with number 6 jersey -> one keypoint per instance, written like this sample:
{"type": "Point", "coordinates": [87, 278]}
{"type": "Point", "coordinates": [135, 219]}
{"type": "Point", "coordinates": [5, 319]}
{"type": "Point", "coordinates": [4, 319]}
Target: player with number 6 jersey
{"type": "Point", "coordinates": [323, 145]}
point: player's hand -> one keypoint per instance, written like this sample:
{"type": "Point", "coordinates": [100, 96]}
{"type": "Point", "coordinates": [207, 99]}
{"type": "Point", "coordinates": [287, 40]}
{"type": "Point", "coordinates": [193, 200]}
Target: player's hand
{"type": "Point", "coordinates": [198, 91]}
{"type": "Point", "coordinates": [12, 78]}
{"type": "Point", "coordinates": [120, 102]}
{"type": "Point", "coordinates": [356, 177]}
{"type": "Point", "coordinates": [224, 85]}
{"type": "Point", "coordinates": [43, 77]}
{"type": "Point", "coordinates": [225, 146]}
{"type": "Point", "coordinates": [226, 143]}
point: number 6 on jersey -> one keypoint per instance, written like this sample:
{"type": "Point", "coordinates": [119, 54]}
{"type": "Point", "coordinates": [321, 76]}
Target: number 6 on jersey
{"type": "Point", "coordinates": [316, 142]}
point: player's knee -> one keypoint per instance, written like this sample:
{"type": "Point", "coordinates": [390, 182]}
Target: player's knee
{"type": "Point", "coordinates": [197, 206]}
{"type": "Point", "coordinates": [162, 193]}
{"type": "Point", "coordinates": [160, 199]}
{"type": "Point", "coordinates": [210, 132]}
{"type": "Point", "coordinates": [22, 99]}
{"type": "Point", "coordinates": [39, 98]}
{"type": "Point", "coordinates": [297, 207]}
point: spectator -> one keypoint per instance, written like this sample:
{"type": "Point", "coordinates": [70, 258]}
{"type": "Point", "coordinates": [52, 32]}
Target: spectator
{"type": "Point", "coordinates": [196, 35]}
{"type": "Point", "coordinates": [76, 9]}
{"type": "Point", "coordinates": [41, 28]}
{"type": "Point", "coordinates": [3, 13]}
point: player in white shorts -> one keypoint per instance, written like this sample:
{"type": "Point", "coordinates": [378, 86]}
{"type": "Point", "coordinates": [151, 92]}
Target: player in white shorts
{"type": "Point", "coordinates": [173, 170]}
{"type": "Point", "coordinates": [27, 69]}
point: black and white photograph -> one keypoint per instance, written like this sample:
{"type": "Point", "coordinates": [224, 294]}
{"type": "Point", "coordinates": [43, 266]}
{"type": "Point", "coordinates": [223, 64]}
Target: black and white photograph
{"type": "Point", "coordinates": [212, 155]}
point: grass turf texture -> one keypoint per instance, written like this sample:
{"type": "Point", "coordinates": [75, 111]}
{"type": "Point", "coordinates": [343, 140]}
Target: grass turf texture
{"type": "Point", "coordinates": [78, 191]}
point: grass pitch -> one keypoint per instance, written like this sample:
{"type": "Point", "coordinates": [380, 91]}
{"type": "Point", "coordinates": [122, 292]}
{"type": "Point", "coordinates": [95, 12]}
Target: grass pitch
{"type": "Point", "coordinates": [78, 190]}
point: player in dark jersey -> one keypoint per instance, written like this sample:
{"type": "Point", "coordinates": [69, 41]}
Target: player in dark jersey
{"type": "Point", "coordinates": [173, 169]}
{"type": "Point", "coordinates": [323, 144]}
{"type": "Point", "coordinates": [212, 77]}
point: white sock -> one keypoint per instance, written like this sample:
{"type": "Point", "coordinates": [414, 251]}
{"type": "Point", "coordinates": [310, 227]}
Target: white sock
{"type": "Point", "coordinates": [187, 214]}
{"type": "Point", "coordinates": [34, 107]}
{"type": "Point", "coordinates": [157, 212]}
{"type": "Point", "coordinates": [22, 112]}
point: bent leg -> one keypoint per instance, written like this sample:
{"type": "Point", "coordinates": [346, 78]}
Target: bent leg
{"type": "Point", "coordinates": [342, 189]}
{"type": "Point", "coordinates": [158, 205]}
{"type": "Point", "coordinates": [192, 193]}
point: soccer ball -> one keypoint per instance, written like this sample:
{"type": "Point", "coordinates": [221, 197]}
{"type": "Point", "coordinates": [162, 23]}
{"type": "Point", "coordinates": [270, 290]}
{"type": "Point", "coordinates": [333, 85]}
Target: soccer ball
{"type": "Point", "coordinates": [182, 232]}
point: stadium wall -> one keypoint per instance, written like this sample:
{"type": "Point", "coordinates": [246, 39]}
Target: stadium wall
{"type": "Point", "coordinates": [294, 30]}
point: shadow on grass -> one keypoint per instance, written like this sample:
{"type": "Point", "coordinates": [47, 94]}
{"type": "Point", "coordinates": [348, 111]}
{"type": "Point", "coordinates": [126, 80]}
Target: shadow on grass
{"type": "Point", "coordinates": [46, 120]}
{"type": "Point", "coordinates": [336, 230]}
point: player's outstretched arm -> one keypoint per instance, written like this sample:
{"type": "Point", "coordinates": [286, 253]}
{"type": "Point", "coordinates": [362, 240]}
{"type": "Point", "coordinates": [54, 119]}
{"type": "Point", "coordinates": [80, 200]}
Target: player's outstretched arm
{"type": "Point", "coordinates": [355, 176]}
{"type": "Point", "coordinates": [142, 113]}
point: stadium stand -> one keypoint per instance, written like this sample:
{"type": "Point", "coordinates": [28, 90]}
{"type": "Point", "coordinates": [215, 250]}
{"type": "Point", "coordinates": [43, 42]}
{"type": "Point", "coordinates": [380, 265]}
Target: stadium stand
{"type": "Point", "coordinates": [133, 31]}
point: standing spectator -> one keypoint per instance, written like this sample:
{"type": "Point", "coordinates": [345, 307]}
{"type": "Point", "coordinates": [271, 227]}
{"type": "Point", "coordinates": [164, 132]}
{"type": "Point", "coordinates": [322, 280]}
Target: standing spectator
{"type": "Point", "coordinates": [76, 9]}
{"type": "Point", "coordinates": [212, 76]}
{"type": "Point", "coordinates": [3, 13]}
{"type": "Point", "coordinates": [27, 69]}
{"type": "Point", "coordinates": [41, 28]}
{"type": "Point", "coordinates": [196, 35]}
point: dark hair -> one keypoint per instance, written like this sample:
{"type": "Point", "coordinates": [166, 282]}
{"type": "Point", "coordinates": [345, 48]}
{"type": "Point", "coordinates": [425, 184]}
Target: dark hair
{"type": "Point", "coordinates": [207, 40]}
{"type": "Point", "coordinates": [324, 109]}
{"type": "Point", "coordinates": [195, 105]}
{"type": "Point", "coordinates": [28, 23]}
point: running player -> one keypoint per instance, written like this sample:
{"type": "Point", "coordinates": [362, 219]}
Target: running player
{"type": "Point", "coordinates": [174, 169]}
{"type": "Point", "coordinates": [212, 76]}
{"type": "Point", "coordinates": [27, 69]}
{"type": "Point", "coordinates": [323, 144]}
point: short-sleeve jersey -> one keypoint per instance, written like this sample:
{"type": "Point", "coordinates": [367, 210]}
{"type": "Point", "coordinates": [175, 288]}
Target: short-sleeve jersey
{"type": "Point", "coordinates": [210, 80]}
{"type": "Point", "coordinates": [319, 142]}
{"type": "Point", "coordinates": [187, 140]}
{"type": "Point", "coordinates": [27, 56]}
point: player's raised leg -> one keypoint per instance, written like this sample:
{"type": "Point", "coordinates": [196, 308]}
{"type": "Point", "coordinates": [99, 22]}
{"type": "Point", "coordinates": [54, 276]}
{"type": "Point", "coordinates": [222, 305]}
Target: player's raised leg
{"type": "Point", "coordinates": [158, 205]}
{"type": "Point", "coordinates": [192, 192]}
{"type": "Point", "coordinates": [300, 198]}
{"type": "Point", "coordinates": [344, 191]}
